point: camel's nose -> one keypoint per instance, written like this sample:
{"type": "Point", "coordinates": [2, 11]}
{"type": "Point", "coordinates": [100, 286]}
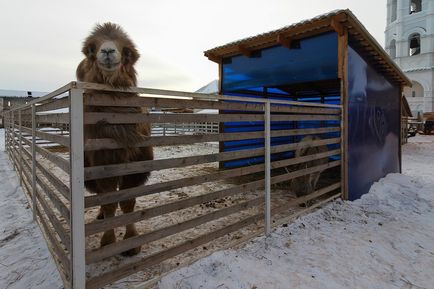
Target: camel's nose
{"type": "Point", "coordinates": [107, 51]}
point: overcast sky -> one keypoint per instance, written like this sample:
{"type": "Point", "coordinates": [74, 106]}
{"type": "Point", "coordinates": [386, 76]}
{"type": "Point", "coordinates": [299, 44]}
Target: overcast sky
{"type": "Point", "coordinates": [40, 41]}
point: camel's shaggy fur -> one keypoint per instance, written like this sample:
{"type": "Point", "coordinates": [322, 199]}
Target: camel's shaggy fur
{"type": "Point", "coordinates": [305, 185]}
{"type": "Point", "coordinates": [110, 58]}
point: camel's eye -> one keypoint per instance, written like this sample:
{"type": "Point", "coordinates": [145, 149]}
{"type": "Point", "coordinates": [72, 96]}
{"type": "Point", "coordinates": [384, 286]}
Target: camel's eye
{"type": "Point", "coordinates": [91, 48]}
{"type": "Point", "coordinates": [126, 55]}
{"type": "Point", "coordinates": [129, 56]}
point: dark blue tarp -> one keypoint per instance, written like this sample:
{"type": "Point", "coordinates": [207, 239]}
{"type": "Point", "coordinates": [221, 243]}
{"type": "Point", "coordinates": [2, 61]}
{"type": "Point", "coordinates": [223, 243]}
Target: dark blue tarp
{"type": "Point", "coordinates": [316, 59]}
{"type": "Point", "coordinates": [374, 126]}
{"type": "Point", "coordinates": [263, 76]}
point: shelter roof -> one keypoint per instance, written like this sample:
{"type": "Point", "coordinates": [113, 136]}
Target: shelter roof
{"type": "Point", "coordinates": [337, 20]}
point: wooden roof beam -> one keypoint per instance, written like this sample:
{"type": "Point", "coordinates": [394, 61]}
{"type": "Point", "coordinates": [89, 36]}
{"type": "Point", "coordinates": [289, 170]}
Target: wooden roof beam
{"type": "Point", "coordinates": [245, 51]}
{"type": "Point", "coordinates": [284, 41]}
{"type": "Point", "coordinates": [337, 26]}
{"type": "Point", "coordinates": [213, 58]}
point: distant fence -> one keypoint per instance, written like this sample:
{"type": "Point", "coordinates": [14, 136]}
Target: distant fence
{"type": "Point", "coordinates": [163, 129]}
{"type": "Point", "coordinates": [44, 140]}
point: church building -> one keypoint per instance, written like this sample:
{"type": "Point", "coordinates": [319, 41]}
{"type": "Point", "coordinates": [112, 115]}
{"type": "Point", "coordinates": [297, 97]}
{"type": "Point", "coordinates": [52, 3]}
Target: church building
{"type": "Point", "coordinates": [410, 42]}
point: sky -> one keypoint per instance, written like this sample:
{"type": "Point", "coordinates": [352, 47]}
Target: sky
{"type": "Point", "coordinates": [40, 41]}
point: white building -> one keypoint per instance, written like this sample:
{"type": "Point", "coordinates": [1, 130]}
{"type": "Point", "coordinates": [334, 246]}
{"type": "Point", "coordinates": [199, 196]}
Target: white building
{"type": "Point", "coordinates": [410, 42]}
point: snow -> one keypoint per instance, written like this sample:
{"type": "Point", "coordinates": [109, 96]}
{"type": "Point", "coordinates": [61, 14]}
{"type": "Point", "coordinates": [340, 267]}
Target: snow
{"type": "Point", "coordinates": [210, 88]}
{"type": "Point", "coordinates": [25, 261]}
{"type": "Point", "coordinates": [383, 240]}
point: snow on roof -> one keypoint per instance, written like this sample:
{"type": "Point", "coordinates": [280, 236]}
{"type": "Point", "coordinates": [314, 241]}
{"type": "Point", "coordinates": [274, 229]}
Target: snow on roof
{"type": "Point", "coordinates": [210, 88]}
{"type": "Point", "coordinates": [208, 111]}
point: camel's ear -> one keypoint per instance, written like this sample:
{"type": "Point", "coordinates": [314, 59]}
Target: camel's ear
{"type": "Point", "coordinates": [129, 55]}
{"type": "Point", "coordinates": [89, 49]}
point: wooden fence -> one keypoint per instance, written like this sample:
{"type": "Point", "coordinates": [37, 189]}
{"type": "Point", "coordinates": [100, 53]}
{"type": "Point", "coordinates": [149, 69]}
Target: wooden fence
{"type": "Point", "coordinates": [167, 129]}
{"type": "Point", "coordinates": [188, 201]}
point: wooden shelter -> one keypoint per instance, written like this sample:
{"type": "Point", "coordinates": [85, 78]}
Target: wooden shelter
{"type": "Point", "coordinates": [330, 59]}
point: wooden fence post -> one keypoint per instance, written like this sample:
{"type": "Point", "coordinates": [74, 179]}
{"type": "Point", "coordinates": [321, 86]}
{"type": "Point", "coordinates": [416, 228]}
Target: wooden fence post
{"type": "Point", "coordinates": [20, 139]}
{"type": "Point", "coordinates": [34, 160]}
{"type": "Point", "coordinates": [78, 267]}
{"type": "Point", "coordinates": [267, 140]}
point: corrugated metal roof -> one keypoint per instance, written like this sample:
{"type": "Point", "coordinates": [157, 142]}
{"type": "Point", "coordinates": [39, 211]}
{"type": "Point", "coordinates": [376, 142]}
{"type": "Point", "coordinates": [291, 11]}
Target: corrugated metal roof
{"type": "Point", "coordinates": [359, 37]}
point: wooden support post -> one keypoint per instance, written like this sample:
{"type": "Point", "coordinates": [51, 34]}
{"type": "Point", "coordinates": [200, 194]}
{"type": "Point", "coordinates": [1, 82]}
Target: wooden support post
{"type": "Point", "coordinates": [78, 267]}
{"type": "Point", "coordinates": [34, 160]}
{"type": "Point", "coordinates": [13, 138]}
{"type": "Point", "coordinates": [267, 140]}
{"type": "Point", "coordinates": [343, 75]}
{"type": "Point", "coordinates": [337, 26]}
{"type": "Point", "coordinates": [20, 145]}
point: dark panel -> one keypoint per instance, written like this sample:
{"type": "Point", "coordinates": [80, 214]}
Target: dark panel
{"type": "Point", "coordinates": [306, 73]}
{"type": "Point", "coordinates": [314, 60]}
{"type": "Point", "coordinates": [373, 113]}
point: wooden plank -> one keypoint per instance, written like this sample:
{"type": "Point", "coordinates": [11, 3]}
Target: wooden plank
{"type": "Point", "coordinates": [107, 100]}
{"type": "Point", "coordinates": [150, 283]}
{"type": "Point", "coordinates": [299, 173]}
{"type": "Point", "coordinates": [152, 91]}
{"type": "Point", "coordinates": [135, 192]}
{"type": "Point", "coordinates": [53, 118]}
{"type": "Point", "coordinates": [57, 202]}
{"type": "Point", "coordinates": [76, 156]}
{"type": "Point", "coordinates": [124, 118]}
{"type": "Point", "coordinates": [126, 270]}
{"type": "Point", "coordinates": [97, 144]}
{"type": "Point", "coordinates": [98, 172]}
{"type": "Point", "coordinates": [55, 247]}
{"type": "Point", "coordinates": [58, 160]}
{"type": "Point", "coordinates": [60, 206]}
{"type": "Point", "coordinates": [121, 220]}
{"type": "Point", "coordinates": [49, 96]}
{"type": "Point", "coordinates": [54, 158]}
{"type": "Point", "coordinates": [117, 221]}
{"type": "Point", "coordinates": [58, 227]}
{"type": "Point", "coordinates": [303, 117]}
{"type": "Point", "coordinates": [51, 216]}
{"type": "Point", "coordinates": [343, 73]}
{"type": "Point", "coordinates": [93, 256]}
{"type": "Point", "coordinates": [53, 104]}
{"type": "Point", "coordinates": [55, 138]}
{"type": "Point", "coordinates": [301, 200]}
{"type": "Point", "coordinates": [53, 179]}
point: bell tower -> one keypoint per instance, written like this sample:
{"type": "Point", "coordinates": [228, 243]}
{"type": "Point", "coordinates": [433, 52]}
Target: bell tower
{"type": "Point", "coordinates": [410, 42]}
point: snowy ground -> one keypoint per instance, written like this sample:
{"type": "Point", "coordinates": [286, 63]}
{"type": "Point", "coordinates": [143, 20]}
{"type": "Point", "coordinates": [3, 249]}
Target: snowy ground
{"type": "Point", "coordinates": [384, 240]}
{"type": "Point", "coordinates": [25, 261]}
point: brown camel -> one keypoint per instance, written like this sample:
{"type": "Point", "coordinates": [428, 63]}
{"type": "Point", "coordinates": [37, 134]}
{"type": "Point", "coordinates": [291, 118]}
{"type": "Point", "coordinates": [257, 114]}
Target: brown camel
{"type": "Point", "coordinates": [110, 58]}
{"type": "Point", "coordinates": [306, 184]}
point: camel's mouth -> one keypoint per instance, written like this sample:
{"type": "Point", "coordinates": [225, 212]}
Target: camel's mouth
{"type": "Point", "coordinates": [108, 65]}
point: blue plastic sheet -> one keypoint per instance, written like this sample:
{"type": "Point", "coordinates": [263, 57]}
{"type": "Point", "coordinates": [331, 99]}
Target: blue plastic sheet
{"type": "Point", "coordinates": [264, 75]}
{"type": "Point", "coordinates": [374, 126]}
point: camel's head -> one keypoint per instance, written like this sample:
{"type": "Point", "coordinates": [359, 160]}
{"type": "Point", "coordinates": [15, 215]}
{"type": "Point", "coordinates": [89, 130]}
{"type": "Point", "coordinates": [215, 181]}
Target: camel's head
{"type": "Point", "coordinates": [110, 57]}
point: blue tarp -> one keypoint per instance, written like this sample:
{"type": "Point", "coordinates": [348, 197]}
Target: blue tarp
{"type": "Point", "coordinates": [374, 125]}
{"type": "Point", "coordinates": [267, 73]}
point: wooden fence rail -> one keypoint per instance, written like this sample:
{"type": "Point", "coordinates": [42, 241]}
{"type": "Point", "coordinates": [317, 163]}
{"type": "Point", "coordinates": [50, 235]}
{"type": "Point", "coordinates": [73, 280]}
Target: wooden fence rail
{"type": "Point", "coordinates": [189, 200]}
